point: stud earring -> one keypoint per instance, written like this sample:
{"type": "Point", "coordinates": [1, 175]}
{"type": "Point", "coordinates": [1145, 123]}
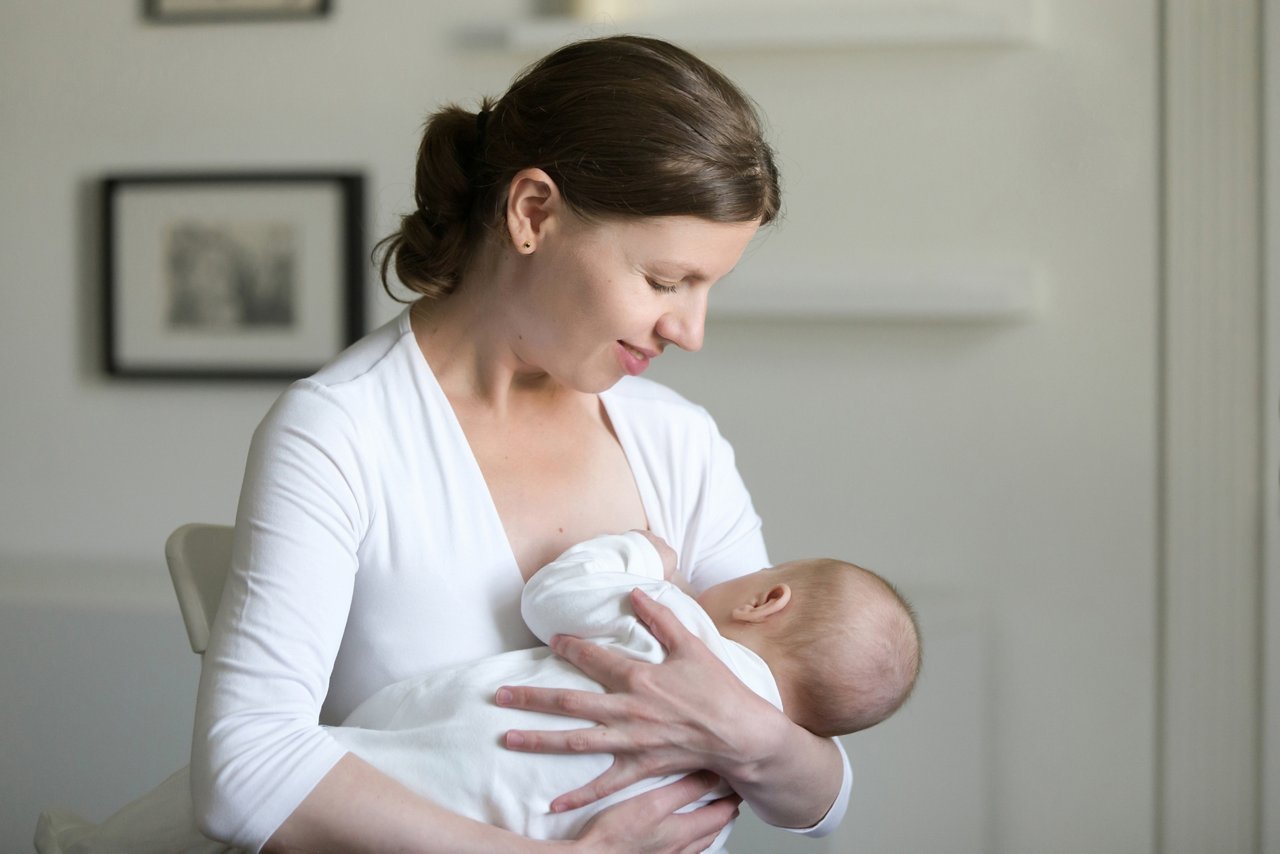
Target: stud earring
{"type": "Point", "coordinates": [526, 245]}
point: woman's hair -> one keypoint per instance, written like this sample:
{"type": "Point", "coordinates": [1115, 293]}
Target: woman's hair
{"type": "Point", "coordinates": [851, 646]}
{"type": "Point", "coordinates": [626, 126]}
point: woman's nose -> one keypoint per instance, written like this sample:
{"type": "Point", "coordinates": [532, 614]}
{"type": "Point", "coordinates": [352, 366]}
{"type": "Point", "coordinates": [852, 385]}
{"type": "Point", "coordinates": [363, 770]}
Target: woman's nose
{"type": "Point", "coordinates": [684, 325]}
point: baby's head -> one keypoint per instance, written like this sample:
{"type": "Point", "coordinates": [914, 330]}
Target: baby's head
{"type": "Point", "coordinates": [841, 642]}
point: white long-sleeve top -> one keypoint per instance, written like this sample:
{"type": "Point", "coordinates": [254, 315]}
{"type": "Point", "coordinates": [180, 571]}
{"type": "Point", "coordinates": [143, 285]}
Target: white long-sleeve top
{"type": "Point", "coordinates": [368, 550]}
{"type": "Point", "coordinates": [440, 734]}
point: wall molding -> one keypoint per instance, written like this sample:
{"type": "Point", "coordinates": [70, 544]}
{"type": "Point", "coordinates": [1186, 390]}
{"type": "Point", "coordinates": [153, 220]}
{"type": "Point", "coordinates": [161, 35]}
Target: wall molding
{"type": "Point", "coordinates": [1271, 428]}
{"type": "Point", "coordinates": [1209, 737]}
{"type": "Point", "coordinates": [843, 292]}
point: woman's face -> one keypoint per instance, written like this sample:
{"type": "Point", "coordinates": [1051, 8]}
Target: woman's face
{"type": "Point", "coordinates": [606, 299]}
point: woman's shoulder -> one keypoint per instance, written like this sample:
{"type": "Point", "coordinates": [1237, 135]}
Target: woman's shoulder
{"type": "Point", "coordinates": [349, 387]}
{"type": "Point", "coordinates": [368, 357]}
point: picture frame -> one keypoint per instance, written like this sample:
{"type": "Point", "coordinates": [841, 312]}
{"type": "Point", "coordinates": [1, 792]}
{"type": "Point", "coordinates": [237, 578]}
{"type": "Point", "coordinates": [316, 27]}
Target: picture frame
{"type": "Point", "coordinates": [236, 275]}
{"type": "Point", "coordinates": [208, 11]}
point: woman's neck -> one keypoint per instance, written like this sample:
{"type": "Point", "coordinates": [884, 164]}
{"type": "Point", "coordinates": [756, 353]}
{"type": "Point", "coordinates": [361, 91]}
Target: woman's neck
{"type": "Point", "coordinates": [467, 338]}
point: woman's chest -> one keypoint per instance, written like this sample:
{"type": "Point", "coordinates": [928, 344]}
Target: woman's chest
{"type": "Point", "coordinates": [555, 484]}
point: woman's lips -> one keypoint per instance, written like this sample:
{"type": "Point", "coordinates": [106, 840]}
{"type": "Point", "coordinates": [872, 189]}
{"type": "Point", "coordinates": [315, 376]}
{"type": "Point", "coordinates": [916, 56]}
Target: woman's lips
{"type": "Point", "coordinates": [633, 359]}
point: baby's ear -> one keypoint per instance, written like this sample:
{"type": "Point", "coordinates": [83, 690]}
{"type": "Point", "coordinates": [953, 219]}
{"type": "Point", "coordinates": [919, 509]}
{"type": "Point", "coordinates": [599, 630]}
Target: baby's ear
{"type": "Point", "coordinates": [764, 605]}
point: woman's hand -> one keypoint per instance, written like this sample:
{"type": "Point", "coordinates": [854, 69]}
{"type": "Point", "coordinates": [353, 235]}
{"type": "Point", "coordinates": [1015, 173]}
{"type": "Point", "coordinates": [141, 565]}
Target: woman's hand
{"type": "Point", "coordinates": [650, 823]}
{"type": "Point", "coordinates": [688, 713]}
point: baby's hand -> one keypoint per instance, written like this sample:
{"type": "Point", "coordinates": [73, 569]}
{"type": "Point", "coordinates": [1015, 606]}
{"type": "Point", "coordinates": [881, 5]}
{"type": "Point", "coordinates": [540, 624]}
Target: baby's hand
{"type": "Point", "coordinates": [665, 552]}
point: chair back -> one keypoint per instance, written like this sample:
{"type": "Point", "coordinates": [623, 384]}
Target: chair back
{"type": "Point", "coordinates": [199, 557]}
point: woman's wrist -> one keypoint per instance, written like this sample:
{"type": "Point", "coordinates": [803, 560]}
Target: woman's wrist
{"type": "Point", "coordinates": [793, 778]}
{"type": "Point", "coordinates": [760, 744]}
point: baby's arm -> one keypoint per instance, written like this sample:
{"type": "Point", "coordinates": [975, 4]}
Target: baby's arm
{"type": "Point", "coordinates": [584, 591]}
{"type": "Point", "coordinates": [665, 553]}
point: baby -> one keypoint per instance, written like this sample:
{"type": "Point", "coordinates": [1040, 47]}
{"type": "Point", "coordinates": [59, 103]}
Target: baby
{"type": "Point", "coordinates": [830, 643]}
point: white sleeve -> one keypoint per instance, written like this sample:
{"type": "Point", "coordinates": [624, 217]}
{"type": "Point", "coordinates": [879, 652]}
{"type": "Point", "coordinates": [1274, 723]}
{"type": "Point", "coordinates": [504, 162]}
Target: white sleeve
{"type": "Point", "coordinates": [724, 538]}
{"type": "Point", "coordinates": [258, 748]}
{"type": "Point", "coordinates": [584, 591]}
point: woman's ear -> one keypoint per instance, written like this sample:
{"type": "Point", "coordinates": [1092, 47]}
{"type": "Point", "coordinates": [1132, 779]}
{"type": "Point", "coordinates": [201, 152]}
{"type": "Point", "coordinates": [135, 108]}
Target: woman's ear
{"type": "Point", "coordinates": [533, 201]}
{"type": "Point", "coordinates": [764, 605]}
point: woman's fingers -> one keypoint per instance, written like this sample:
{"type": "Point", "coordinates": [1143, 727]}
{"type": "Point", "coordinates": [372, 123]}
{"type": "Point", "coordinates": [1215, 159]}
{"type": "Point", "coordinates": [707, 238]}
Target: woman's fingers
{"type": "Point", "coordinates": [648, 823]}
{"type": "Point", "coordinates": [610, 668]}
{"type": "Point", "coordinates": [596, 739]}
{"type": "Point", "coordinates": [623, 772]}
{"type": "Point", "coordinates": [701, 845]}
{"type": "Point", "coordinates": [664, 624]}
{"type": "Point", "coordinates": [706, 822]}
{"type": "Point", "coordinates": [555, 701]}
{"type": "Point", "coordinates": [721, 813]}
{"type": "Point", "coordinates": [606, 666]}
{"type": "Point", "coordinates": [667, 799]}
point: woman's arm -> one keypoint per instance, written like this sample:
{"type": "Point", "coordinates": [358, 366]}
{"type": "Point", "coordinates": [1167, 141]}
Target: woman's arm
{"type": "Point", "coordinates": [356, 808]}
{"type": "Point", "coordinates": [688, 712]}
{"type": "Point", "coordinates": [257, 746]}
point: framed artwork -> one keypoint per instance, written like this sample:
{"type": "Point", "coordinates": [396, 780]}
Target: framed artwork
{"type": "Point", "coordinates": [195, 11]}
{"type": "Point", "coordinates": [231, 275]}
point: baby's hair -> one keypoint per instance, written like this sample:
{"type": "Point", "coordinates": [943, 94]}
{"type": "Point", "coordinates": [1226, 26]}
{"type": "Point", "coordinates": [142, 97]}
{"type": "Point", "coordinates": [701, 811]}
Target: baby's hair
{"type": "Point", "coordinates": [852, 647]}
{"type": "Point", "coordinates": [626, 126]}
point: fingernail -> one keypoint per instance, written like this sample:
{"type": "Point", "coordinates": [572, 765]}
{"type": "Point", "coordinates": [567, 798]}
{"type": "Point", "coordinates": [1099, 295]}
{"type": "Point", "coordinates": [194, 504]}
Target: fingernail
{"type": "Point", "coordinates": [515, 739]}
{"type": "Point", "coordinates": [503, 697]}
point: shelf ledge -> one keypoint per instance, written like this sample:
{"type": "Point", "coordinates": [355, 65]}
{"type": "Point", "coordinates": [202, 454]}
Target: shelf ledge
{"type": "Point", "coordinates": [902, 297]}
{"type": "Point", "coordinates": [922, 25]}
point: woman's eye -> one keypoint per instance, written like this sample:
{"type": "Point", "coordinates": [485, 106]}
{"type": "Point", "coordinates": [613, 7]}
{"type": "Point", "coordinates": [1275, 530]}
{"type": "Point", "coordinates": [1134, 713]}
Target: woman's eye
{"type": "Point", "coordinates": [659, 286]}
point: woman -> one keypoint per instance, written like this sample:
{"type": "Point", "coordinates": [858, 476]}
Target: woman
{"type": "Point", "coordinates": [395, 502]}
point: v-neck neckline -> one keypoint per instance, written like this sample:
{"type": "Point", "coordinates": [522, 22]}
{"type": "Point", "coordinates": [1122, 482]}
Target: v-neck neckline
{"type": "Point", "coordinates": [612, 410]}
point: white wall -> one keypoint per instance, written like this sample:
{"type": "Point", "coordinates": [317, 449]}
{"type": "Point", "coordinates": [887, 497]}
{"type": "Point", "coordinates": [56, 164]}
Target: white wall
{"type": "Point", "coordinates": [1003, 473]}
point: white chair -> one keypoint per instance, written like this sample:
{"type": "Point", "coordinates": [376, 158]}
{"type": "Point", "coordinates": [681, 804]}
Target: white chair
{"type": "Point", "coordinates": [163, 820]}
{"type": "Point", "coordinates": [199, 557]}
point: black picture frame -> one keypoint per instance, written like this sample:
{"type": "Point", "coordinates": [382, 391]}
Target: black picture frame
{"type": "Point", "coordinates": [242, 275]}
{"type": "Point", "coordinates": [214, 11]}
